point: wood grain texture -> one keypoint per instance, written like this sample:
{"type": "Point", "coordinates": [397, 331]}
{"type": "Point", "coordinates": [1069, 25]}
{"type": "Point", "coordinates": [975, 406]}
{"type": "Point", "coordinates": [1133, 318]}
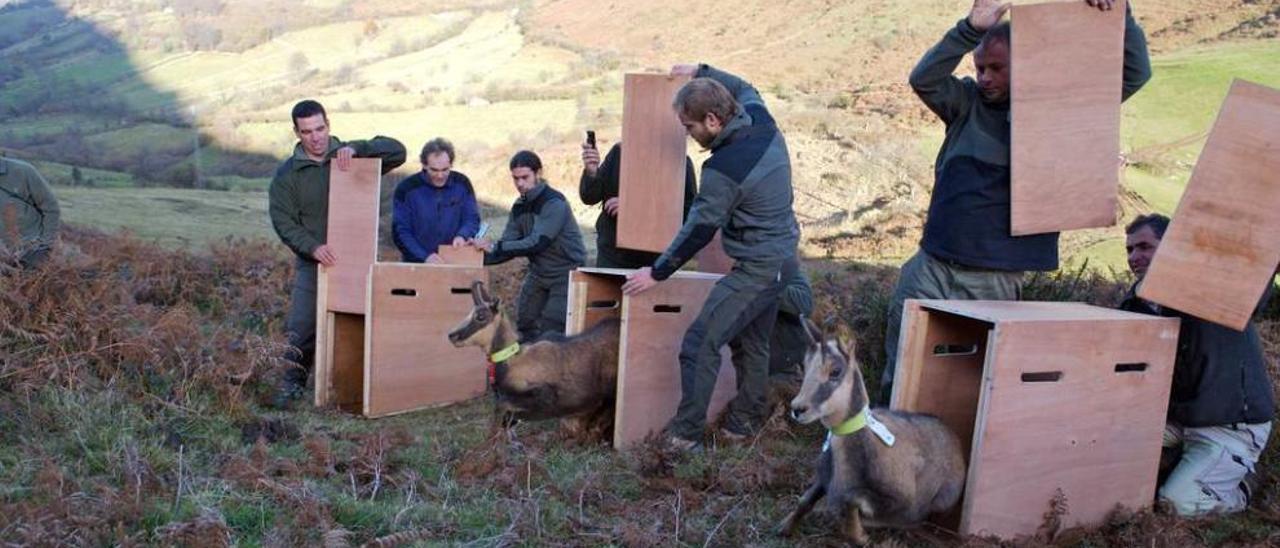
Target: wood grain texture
{"type": "Point", "coordinates": [409, 363]}
{"type": "Point", "coordinates": [651, 179]}
{"type": "Point", "coordinates": [461, 256]}
{"type": "Point", "coordinates": [649, 365]}
{"type": "Point", "coordinates": [1043, 397]}
{"type": "Point", "coordinates": [1039, 438]}
{"type": "Point", "coordinates": [1221, 249]}
{"type": "Point", "coordinates": [1065, 116]}
{"type": "Point", "coordinates": [592, 299]}
{"type": "Point", "coordinates": [353, 232]}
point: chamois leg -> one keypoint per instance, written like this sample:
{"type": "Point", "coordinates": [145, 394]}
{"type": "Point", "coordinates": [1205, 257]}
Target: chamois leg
{"type": "Point", "coordinates": [853, 527]}
{"type": "Point", "coordinates": [810, 497]}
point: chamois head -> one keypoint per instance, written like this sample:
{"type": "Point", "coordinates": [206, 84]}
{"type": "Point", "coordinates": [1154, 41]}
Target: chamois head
{"type": "Point", "coordinates": [833, 386]}
{"type": "Point", "coordinates": [479, 326]}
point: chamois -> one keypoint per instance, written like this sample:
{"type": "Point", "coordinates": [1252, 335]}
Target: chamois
{"type": "Point", "coordinates": [572, 377]}
{"type": "Point", "coordinates": [893, 479]}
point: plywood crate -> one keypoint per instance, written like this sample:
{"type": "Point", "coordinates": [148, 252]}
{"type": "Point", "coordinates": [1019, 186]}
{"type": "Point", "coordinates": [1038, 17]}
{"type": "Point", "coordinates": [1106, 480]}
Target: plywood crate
{"type": "Point", "coordinates": [653, 326]}
{"type": "Point", "coordinates": [1050, 400]}
{"type": "Point", "coordinates": [381, 346]}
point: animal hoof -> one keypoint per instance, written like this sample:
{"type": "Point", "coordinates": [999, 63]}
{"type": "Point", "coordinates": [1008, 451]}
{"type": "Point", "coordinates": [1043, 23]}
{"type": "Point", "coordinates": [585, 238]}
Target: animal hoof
{"type": "Point", "coordinates": [785, 529]}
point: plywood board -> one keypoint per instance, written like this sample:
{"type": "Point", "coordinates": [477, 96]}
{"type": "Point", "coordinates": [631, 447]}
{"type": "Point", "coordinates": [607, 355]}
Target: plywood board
{"type": "Point", "coordinates": [592, 299]}
{"type": "Point", "coordinates": [653, 326]}
{"type": "Point", "coordinates": [409, 362]}
{"type": "Point", "coordinates": [651, 178]}
{"type": "Point", "coordinates": [1065, 116]}
{"type": "Point", "coordinates": [1048, 422]}
{"type": "Point", "coordinates": [461, 256]}
{"type": "Point", "coordinates": [1028, 311]}
{"type": "Point", "coordinates": [353, 232]}
{"type": "Point", "coordinates": [1221, 250]}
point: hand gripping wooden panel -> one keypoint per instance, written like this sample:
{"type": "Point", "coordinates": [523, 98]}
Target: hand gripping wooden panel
{"type": "Point", "coordinates": [409, 362]}
{"type": "Point", "coordinates": [653, 326]}
{"type": "Point", "coordinates": [353, 232]}
{"type": "Point", "coordinates": [1066, 116]}
{"type": "Point", "coordinates": [462, 256]}
{"type": "Point", "coordinates": [1221, 250]}
{"type": "Point", "coordinates": [651, 179]}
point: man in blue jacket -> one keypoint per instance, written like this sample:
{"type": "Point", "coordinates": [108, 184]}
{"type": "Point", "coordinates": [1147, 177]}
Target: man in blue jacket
{"type": "Point", "coordinates": [434, 207]}
{"type": "Point", "coordinates": [1220, 404]}
{"type": "Point", "coordinates": [967, 251]}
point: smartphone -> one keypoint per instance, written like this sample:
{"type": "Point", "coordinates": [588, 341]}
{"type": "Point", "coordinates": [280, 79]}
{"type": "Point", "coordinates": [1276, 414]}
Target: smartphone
{"type": "Point", "coordinates": [591, 138]}
{"type": "Point", "coordinates": [484, 227]}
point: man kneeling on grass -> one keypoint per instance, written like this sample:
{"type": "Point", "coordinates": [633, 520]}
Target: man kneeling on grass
{"type": "Point", "coordinates": [1220, 407]}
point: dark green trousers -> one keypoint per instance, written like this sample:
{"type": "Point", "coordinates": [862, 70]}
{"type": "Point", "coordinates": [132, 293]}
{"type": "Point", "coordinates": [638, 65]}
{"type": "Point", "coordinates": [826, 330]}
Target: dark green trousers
{"type": "Point", "coordinates": [739, 312]}
{"type": "Point", "coordinates": [541, 306]}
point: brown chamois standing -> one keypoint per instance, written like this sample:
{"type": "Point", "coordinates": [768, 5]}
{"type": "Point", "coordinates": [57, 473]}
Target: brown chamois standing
{"type": "Point", "coordinates": [574, 378]}
{"type": "Point", "coordinates": [863, 476]}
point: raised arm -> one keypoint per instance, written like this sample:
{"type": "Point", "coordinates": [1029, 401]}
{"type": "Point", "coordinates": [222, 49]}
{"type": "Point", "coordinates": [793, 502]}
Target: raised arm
{"type": "Point", "coordinates": [1137, 61]}
{"type": "Point", "coordinates": [390, 150]}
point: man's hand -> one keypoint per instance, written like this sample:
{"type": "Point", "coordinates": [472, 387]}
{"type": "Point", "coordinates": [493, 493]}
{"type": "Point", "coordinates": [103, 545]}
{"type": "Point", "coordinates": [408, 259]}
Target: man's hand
{"type": "Point", "coordinates": [639, 282]}
{"type": "Point", "coordinates": [590, 159]}
{"type": "Point", "coordinates": [325, 255]}
{"type": "Point", "coordinates": [1104, 5]}
{"type": "Point", "coordinates": [684, 70]}
{"type": "Point", "coordinates": [343, 157]}
{"type": "Point", "coordinates": [434, 258]}
{"type": "Point", "coordinates": [459, 241]}
{"type": "Point", "coordinates": [986, 13]}
{"type": "Point", "coordinates": [611, 206]}
{"type": "Point", "coordinates": [482, 244]}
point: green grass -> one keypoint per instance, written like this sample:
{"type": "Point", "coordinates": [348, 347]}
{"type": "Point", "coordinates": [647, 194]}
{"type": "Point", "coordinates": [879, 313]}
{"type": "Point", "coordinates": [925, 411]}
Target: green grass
{"type": "Point", "coordinates": [173, 217]}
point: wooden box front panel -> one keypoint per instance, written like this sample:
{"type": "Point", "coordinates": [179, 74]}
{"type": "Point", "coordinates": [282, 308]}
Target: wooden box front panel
{"type": "Point", "coordinates": [653, 327]}
{"type": "Point", "coordinates": [410, 363]}
{"type": "Point", "coordinates": [461, 256]}
{"type": "Point", "coordinates": [1070, 407]}
{"type": "Point", "coordinates": [651, 177]}
{"type": "Point", "coordinates": [592, 299]}
{"type": "Point", "coordinates": [1218, 256]}
{"type": "Point", "coordinates": [1065, 116]}
{"type": "Point", "coordinates": [353, 232]}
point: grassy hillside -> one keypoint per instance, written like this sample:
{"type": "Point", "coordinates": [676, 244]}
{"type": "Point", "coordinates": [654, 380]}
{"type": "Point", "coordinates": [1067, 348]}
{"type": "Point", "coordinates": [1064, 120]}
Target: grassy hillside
{"type": "Point", "coordinates": [134, 378]}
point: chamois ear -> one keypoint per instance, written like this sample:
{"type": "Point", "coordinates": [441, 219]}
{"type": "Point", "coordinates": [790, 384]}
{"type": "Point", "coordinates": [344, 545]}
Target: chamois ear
{"type": "Point", "coordinates": [493, 306]}
{"type": "Point", "coordinates": [846, 348]}
{"type": "Point", "coordinates": [811, 331]}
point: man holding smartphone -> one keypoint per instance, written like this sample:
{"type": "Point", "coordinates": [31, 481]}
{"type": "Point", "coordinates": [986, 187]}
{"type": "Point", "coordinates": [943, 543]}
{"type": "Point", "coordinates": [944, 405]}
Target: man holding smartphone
{"type": "Point", "coordinates": [599, 183]}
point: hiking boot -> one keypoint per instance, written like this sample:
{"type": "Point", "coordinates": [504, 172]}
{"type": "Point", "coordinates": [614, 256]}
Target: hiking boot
{"type": "Point", "coordinates": [677, 444]}
{"type": "Point", "coordinates": [733, 438]}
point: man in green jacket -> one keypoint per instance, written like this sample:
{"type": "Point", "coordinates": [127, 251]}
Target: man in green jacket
{"type": "Point", "coordinates": [746, 194]}
{"type": "Point", "coordinates": [541, 227]}
{"type": "Point", "coordinates": [29, 214]}
{"type": "Point", "coordinates": [967, 251]}
{"type": "Point", "coordinates": [299, 208]}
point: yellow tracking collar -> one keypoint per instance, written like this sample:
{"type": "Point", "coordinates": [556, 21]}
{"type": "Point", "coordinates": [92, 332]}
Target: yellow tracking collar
{"type": "Point", "coordinates": [510, 351]}
{"type": "Point", "coordinates": [852, 424]}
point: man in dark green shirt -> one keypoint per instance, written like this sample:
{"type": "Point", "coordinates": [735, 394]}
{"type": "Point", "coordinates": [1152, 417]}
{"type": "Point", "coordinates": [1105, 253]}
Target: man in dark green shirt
{"type": "Point", "coordinates": [968, 251]}
{"type": "Point", "coordinates": [541, 228]}
{"type": "Point", "coordinates": [599, 183]}
{"type": "Point", "coordinates": [29, 214]}
{"type": "Point", "coordinates": [299, 209]}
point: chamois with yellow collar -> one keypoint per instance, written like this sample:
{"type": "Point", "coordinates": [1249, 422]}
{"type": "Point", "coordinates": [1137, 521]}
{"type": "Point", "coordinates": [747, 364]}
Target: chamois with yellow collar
{"type": "Point", "coordinates": [574, 378]}
{"type": "Point", "coordinates": [879, 468]}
